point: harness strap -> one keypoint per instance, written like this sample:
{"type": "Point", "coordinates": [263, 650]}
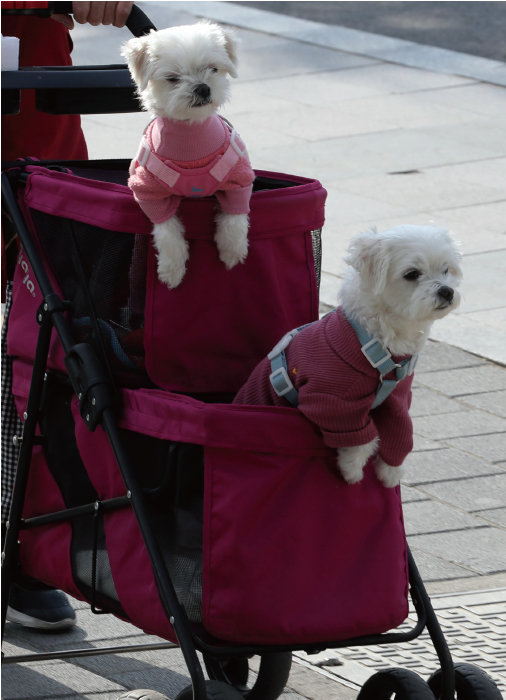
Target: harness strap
{"type": "Point", "coordinates": [281, 382]}
{"type": "Point", "coordinates": [381, 359]}
{"type": "Point", "coordinates": [155, 165]}
{"type": "Point", "coordinates": [231, 156]}
{"type": "Point", "coordinates": [377, 355]}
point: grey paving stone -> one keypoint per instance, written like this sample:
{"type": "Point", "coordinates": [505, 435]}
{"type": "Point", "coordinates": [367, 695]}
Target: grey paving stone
{"type": "Point", "coordinates": [316, 686]}
{"type": "Point", "coordinates": [421, 517]}
{"type": "Point", "coordinates": [490, 447]}
{"type": "Point", "coordinates": [467, 380]}
{"type": "Point", "coordinates": [460, 423]}
{"type": "Point", "coordinates": [493, 401]}
{"type": "Point", "coordinates": [52, 681]}
{"type": "Point", "coordinates": [433, 466]}
{"type": "Point", "coordinates": [429, 402]}
{"type": "Point", "coordinates": [480, 551]}
{"type": "Point", "coordinates": [283, 58]}
{"type": "Point", "coordinates": [438, 356]}
{"type": "Point", "coordinates": [411, 494]}
{"type": "Point", "coordinates": [420, 442]}
{"type": "Point", "coordinates": [497, 516]}
{"type": "Point", "coordinates": [472, 495]}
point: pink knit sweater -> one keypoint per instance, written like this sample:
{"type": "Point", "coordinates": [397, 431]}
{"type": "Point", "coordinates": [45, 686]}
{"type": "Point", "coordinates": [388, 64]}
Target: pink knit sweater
{"type": "Point", "coordinates": [337, 387]}
{"type": "Point", "coordinates": [191, 150]}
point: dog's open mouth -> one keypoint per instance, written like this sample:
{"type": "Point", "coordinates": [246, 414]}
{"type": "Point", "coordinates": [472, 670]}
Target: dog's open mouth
{"type": "Point", "coordinates": [200, 102]}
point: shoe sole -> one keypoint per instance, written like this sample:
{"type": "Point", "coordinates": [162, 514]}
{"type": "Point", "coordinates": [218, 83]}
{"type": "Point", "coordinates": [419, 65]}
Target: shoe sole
{"type": "Point", "coordinates": [25, 620]}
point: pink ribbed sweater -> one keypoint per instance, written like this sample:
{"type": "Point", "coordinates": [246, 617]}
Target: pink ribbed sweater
{"type": "Point", "coordinates": [187, 147]}
{"type": "Point", "coordinates": [337, 387]}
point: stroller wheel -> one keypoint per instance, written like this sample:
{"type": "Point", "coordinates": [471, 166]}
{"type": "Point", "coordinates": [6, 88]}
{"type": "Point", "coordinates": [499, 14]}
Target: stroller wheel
{"type": "Point", "coordinates": [396, 683]}
{"type": "Point", "coordinates": [215, 690]}
{"type": "Point", "coordinates": [272, 674]}
{"type": "Point", "coordinates": [471, 683]}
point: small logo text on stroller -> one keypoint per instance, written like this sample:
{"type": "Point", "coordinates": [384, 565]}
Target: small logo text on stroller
{"type": "Point", "coordinates": [27, 280]}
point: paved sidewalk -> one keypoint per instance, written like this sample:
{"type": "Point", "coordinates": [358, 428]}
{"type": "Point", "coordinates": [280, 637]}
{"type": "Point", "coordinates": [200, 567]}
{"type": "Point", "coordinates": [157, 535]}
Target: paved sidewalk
{"type": "Point", "coordinates": [397, 133]}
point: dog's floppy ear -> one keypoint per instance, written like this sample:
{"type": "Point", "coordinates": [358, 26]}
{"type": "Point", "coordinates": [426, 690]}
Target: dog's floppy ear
{"type": "Point", "coordinates": [368, 256]}
{"type": "Point", "coordinates": [231, 45]}
{"type": "Point", "coordinates": [136, 53]}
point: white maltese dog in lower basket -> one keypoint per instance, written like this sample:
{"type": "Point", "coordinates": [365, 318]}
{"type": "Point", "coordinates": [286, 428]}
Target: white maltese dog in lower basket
{"type": "Point", "coordinates": [188, 150]}
{"type": "Point", "coordinates": [351, 372]}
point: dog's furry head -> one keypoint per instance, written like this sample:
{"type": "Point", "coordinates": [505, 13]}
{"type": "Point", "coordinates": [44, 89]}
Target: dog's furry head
{"type": "Point", "coordinates": [401, 281]}
{"type": "Point", "coordinates": [181, 72]}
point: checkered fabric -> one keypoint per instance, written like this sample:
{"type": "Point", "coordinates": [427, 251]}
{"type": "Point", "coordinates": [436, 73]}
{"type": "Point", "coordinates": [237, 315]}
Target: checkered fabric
{"type": "Point", "coordinates": [11, 423]}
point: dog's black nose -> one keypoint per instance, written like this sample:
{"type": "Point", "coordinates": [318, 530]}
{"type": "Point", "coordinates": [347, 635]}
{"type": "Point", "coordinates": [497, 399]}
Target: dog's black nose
{"type": "Point", "coordinates": [202, 91]}
{"type": "Point", "coordinates": [446, 293]}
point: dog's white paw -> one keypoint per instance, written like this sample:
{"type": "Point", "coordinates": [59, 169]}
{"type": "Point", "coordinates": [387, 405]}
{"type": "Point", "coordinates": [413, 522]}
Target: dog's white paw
{"type": "Point", "coordinates": [172, 250]}
{"type": "Point", "coordinates": [389, 476]}
{"type": "Point", "coordinates": [352, 460]}
{"type": "Point", "coordinates": [232, 238]}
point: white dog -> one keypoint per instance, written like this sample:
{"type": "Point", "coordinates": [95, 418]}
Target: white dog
{"type": "Point", "coordinates": [351, 372]}
{"type": "Point", "coordinates": [188, 150]}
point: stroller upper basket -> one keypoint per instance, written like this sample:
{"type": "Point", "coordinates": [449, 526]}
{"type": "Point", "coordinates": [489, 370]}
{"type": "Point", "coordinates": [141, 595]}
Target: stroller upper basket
{"type": "Point", "coordinates": [96, 244]}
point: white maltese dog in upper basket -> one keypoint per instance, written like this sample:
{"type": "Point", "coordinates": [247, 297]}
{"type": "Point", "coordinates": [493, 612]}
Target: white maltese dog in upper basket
{"type": "Point", "coordinates": [188, 150]}
{"type": "Point", "coordinates": [351, 372]}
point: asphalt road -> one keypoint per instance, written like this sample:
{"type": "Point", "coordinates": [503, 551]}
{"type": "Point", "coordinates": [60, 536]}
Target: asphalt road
{"type": "Point", "coordinates": [477, 28]}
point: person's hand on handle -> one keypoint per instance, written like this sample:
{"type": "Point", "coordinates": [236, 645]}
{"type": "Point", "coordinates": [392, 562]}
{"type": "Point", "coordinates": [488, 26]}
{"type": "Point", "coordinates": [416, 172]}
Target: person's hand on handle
{"type": "Point", "coordinates": [96, 13]}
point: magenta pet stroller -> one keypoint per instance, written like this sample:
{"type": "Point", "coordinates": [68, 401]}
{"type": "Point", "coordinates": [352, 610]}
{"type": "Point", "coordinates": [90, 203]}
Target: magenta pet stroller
{"type": "Point", "coordinates": [155, 499]}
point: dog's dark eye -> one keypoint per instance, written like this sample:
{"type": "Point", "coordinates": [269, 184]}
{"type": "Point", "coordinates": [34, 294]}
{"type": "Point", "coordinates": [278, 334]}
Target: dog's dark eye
{"type": "Point", "coordinates": [446, 271]}
{"type": "Point", "coordinates": [213, 69]}
{"type": "Point", "coordinates": [172, 78]}
{"type": "Point", "coordinates": [412, 275]}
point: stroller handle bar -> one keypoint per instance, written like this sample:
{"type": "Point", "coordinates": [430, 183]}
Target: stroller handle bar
{"type": "Point", "coordinates": [73, 89]}
{"type": "Point", "coordinates": [138, 23]}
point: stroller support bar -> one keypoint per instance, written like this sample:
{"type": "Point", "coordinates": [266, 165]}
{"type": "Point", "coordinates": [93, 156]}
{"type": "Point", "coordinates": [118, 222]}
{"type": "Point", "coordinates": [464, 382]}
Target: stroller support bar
{"type": "Point", "coordinates": [76, 653]}
{"type": "Point", "coordinates": [90, 382]}
{"type": "Point", "coordinates": [76, 512]}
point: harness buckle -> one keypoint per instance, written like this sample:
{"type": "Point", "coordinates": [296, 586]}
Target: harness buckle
{"type": "Point", "coordinates": [281, 382]}
{"type": "Point", "coordinates": [370, 350]}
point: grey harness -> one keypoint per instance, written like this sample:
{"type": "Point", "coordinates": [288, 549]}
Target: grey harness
{"type": "Point", "coordinates": [377, 355]}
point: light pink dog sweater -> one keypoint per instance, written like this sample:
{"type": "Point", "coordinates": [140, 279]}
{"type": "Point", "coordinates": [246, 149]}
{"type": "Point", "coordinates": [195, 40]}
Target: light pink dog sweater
{"type": "Point", "coordinates": [179, 159]}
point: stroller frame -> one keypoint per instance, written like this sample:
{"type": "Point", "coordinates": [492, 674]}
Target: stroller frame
{"type": "Point", "coordinates": [95, 391]}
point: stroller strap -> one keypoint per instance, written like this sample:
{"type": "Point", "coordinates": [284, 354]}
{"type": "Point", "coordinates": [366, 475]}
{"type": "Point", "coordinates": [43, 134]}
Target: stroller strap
{"type": "Point", "coordinates": [377, 355]}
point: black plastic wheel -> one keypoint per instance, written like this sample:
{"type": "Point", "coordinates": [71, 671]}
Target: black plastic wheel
{"type": "Point", "coordinates": [233, 670]}
{"type": "Point", "coordinates": [215, 690]}
{"type": "Point", "coordinates": [398, 683]}
{"type": "Point", "coordinates": [471, 683]}
{"type": "Point", "coordinates": [271, 680]}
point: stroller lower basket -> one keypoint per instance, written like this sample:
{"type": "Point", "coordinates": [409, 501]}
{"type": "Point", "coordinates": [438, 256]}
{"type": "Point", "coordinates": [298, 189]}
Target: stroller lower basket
{"type": "Point", "coordinates": [248, 512]}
